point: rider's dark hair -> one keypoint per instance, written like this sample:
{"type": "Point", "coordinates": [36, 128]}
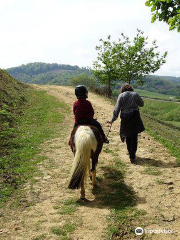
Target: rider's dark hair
{"type": "Point", "coordinates": [126, 87]}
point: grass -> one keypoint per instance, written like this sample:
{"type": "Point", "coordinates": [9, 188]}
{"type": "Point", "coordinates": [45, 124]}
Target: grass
{"type": "Point", "coordinates": [148, 94]}
{"type": "Point", "coordinates": [64, 230]}
{"type": "Point", "coordinates": [40, 237]}
{"type": "Point", "coordinates": [40, 120]}
{"type": "Point", "coordinates": [166, 134]}
{"type": "Point", "coordinates": [164, 111]}
{"type": "Point", "coordinates": [122, 224]}
{"type": "Point", "coordinates": [107, 150]}
{"type": "Point", "coordinates": [162, 121]}
{"type": "Point", "coordinates": [152, 171]}
{"type": "Point", "coordinates": [176, 124]}
{"type": "Point", "coordinates": [66, 207]}
{"type": "Point", "coordinates": [159, 181]}
{"type": "Point", "coordinates": [153, 95]}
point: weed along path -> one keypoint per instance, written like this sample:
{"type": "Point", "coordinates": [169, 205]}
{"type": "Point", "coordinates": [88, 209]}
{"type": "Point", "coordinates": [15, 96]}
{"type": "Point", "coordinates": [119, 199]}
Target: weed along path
{"type": "Point", "coordinates": [145, 194]}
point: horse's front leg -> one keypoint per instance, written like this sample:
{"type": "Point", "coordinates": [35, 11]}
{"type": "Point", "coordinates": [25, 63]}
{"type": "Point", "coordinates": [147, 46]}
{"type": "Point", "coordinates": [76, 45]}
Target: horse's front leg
{"type": "Point", "coordinates": [82, 192]}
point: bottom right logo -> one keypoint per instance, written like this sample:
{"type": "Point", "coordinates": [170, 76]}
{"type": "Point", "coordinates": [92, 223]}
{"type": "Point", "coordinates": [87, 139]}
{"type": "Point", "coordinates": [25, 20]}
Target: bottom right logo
{"type": "Point", "coordinates": [138, 231]}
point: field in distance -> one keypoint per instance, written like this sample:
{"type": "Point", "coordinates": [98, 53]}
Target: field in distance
{"type": "Point", "coordinates": [148, 94]}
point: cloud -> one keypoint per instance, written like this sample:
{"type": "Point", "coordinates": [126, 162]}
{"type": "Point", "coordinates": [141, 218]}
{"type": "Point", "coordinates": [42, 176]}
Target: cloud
{"type": "Point", "coordinates": [160, 34]}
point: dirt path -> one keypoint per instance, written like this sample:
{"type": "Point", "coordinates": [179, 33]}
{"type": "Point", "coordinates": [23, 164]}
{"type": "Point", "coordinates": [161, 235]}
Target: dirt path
{"type": "Point", "coordinates": [52, 211]}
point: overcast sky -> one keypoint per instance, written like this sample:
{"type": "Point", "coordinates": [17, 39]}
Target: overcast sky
{"type": "Point", "coordinates": [67, 31]}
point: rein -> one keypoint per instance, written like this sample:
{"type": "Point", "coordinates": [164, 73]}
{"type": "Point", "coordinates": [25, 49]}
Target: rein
{"type": "Point", "coordinates": [109, 130]}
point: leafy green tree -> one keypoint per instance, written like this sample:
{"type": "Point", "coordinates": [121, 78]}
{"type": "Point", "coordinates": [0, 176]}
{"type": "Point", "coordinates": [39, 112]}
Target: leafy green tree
{"type": "Point", "coordinates": [85, 79]}
{"type": "Point", "coordinates": [167, 11]}
{"type": "Point", "coordinates": [135, 60]}
{"type": "Point", "coordinates": [125, 60]}
{"type": "Point", "coordinates": [104, 68]}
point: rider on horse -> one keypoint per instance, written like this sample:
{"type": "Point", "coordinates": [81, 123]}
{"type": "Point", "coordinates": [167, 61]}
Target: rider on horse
{"type": "Point", "coordinates": [84, 112]}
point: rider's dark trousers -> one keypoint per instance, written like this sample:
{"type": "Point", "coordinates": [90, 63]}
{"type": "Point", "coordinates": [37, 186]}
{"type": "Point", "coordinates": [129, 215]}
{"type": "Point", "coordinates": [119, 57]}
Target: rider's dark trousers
{"type": "Point", "coordinates": [131, 143]}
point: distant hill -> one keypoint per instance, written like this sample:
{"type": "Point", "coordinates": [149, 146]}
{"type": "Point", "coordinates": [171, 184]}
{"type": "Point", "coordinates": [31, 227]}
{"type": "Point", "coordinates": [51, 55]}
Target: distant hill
{"type": "Point", "coordinates": [171, 79]}
{"type": "Point", "coordinates": [61, 74]}
{"type": "Point", "coordinates": [161, 84]}
{"type": "Point", "coordinates": [46, 73]}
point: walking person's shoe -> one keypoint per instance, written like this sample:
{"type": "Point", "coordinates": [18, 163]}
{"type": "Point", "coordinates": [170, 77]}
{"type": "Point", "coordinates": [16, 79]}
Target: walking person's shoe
{"type": "Point", "coordinates": [132, 159]}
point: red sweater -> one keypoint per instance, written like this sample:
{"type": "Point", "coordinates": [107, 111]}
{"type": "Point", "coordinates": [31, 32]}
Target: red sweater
{"type": "Point", "coordinates": [82, 109]}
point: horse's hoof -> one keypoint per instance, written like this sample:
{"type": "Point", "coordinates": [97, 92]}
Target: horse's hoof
{"type": "Point", "coordinates": [83, 199]}
{"type": "Point", "coordinates": [95, 185]}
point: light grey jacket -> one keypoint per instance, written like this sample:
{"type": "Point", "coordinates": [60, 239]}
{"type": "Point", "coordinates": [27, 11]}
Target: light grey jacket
{"type": "Point", "coordinates": [126, 103]}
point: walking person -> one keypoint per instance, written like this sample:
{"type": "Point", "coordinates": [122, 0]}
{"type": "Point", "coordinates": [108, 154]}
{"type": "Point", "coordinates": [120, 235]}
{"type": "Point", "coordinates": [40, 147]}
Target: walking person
{"type": "Point", "coordinates": [127, 105]}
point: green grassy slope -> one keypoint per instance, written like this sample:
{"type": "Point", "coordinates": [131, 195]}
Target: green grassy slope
{"type": "Point", "coordinates": [28, 118]}
{"type": "Point", "coordinates": [163, 111]}
{"type": "Point", "coordinates": [12, 92]}
{"type": "Point", "coordinates": [12, 97]}
{"type": "Point", "coordinates": [148, 94]}
{"type": "Point", "coordinates": [162, 121]}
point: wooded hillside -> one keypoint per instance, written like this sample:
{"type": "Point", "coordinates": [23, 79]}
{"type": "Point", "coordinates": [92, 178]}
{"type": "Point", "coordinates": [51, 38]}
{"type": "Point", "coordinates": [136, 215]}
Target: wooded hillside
{"type": "Point", "coordinates": [46, 73]}
{"type": "Point", "coordinates": [61, 74]}
{"type": "Point", "coordinates": [165, 85]}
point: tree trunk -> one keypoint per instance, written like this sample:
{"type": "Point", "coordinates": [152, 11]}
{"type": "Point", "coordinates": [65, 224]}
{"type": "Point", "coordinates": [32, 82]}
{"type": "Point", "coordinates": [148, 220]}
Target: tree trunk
{"type": "Point", "coordinates": [109, 88]}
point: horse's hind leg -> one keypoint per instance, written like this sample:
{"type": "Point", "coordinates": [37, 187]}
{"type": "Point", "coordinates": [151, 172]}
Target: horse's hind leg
{"type": "Point", "coordinates": [93, 171]}
{"type": "Point", "coordinates": [82, 189]}
{"type": "Point", "coordinates": [94, 182]}
{"type": "Point", "coordinates": [89, 170]}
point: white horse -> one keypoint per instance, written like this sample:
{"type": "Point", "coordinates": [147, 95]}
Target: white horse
{"type": "Point", "coordinates": [86, 144]}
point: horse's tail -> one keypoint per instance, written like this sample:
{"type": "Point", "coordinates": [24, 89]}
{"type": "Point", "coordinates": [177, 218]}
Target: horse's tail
{"type": "Point", "coordinates": [85, 142]}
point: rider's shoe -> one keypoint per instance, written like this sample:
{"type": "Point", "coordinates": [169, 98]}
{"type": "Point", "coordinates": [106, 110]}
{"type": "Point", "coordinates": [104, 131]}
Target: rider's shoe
{"type": "Point", "coordinates": [106, 140]}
